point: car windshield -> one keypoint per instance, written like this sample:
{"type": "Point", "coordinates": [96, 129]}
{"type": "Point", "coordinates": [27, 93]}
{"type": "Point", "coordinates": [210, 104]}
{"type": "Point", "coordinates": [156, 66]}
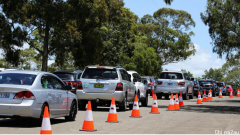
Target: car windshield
{"type": "Point", "coordinates": [171, 75]}
{"type": "Point", "coordinates": [205, 82]}
{"type": "Point", "coordinates": [17, 78]}
{"type": "Point", "coordinates": [92, 73]}
{"type": "Point", "coordinates": [65, 76]}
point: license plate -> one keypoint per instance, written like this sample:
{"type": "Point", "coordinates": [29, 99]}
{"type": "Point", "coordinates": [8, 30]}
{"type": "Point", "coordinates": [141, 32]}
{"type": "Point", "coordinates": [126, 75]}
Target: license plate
{"type": "Point", "coordinates": [98, 85]}
{"type": "Point", "coordinates": [4, 95]}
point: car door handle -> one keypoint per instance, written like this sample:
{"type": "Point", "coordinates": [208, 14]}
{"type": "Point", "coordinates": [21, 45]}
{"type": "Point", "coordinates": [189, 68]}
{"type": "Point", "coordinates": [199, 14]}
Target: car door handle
{"type": "Point", "coordinates": [49, 93]}
{"type": "Point", "coordinates": [60, 94]}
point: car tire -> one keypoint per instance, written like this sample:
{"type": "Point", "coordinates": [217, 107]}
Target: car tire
{"type": "Point", "coordinates": [214, 93]}
{"type": "Point", "coordinates": [81, 106]}
{"type": "Point", "coordinates": [191, 96]}
{"type": "Point", "coordinates": [159, 95]}
{"type": "Point", "coordinates": [145, 101]}
{"type": "Point", "coordinates": [123, 107]}
{"type": "Point", "coordinates": [150, 92]}
{"type": "Point", "coordinates": [72, 113]}
{"type": "Point", "coordinates": [38, 121]}
{"type": "Point", "coordinates": [166, 96]}
{"type": "Point", "coordinates": [185, 96]}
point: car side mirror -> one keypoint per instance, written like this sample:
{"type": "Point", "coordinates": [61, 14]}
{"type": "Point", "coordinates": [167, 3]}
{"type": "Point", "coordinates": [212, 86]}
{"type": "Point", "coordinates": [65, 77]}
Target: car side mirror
{"type": "Point", "coordinates": [69, 87]}
{"type": "Point", "coordinates": [134, 80]}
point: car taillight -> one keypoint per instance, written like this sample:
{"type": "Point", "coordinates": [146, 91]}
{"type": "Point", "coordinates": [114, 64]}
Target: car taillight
{"type": "Point", "coordinates": [181, 83]}
{"type": "Point", "coordinates": [79, 85]}
{"type": "Point", "coordinates": [159, 82]}
{"type": "Point", "coordinates": [212, 85]}
{"type": "Point", "coordinates": [196, 85]}
{"type": "Point", "coordinates": [24, 95]}
{"type": "Point", "coordinates": [148, 83]}
{"type": "Point", "coordinates": [119, 87]}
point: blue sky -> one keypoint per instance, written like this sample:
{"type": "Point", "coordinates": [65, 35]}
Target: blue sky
{"type": "Point", "coordinates": [204, 59]}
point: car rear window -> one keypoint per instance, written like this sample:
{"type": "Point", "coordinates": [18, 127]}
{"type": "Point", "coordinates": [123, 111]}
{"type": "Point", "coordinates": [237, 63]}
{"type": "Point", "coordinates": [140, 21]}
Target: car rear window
{"type": "Point", "coordinates": [220, 84]}
{"type": "Point", "coordinates": [171, 75]}
{"type": "Point", "coordinates": [205, 82]}
{"type": "Point", "coordinates": [92, 73]}
{"type": "Point", "coordinates": [17, 78]}
{"type": "Point", "coordinates": [65, 76]}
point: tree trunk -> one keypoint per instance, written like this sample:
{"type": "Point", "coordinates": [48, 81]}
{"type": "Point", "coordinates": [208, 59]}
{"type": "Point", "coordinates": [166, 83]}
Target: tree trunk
{"type": "Point", "coordinates": [45, 48]}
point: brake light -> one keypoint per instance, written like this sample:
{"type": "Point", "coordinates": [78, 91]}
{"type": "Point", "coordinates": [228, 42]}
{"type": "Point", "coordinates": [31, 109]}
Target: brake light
{"type": "Point", "coordinates": [212, 85]}
{"type": "Point", "coordinates": [159, 82]}
{"type": "Point", "coordinates": [79, 86]}
{"type": "Point", "coordinates": [100, 67]}
{"type": "Point", "coordinates": [196, 85]}
{"type": "Point", "coordinates": [119, 87]}
{"type": "Point", "coordinates": [24, 95]}
{"type": "Point", "coordinates": [29, 95]}
{"type": "Point", "coordinates": [148, 83]}
{"type": "Point", "coordinates": [181, 83]}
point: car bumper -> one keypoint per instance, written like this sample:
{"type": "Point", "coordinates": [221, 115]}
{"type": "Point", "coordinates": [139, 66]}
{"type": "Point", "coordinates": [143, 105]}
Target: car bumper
{"type": "Point", "coordinates": [26, 109]}
{"type": "Point", "coordinates": [118, 96]}
{"type": "Point", "coordinates": [166, 90]}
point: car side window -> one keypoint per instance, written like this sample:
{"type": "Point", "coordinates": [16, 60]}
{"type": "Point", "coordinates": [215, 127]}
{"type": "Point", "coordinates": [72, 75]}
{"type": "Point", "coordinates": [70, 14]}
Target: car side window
{"type": "Point", "coordinates": [124, 75]}
{"type": "Point", "coordinates": [46, 82]}
{"type": "Point", "coordinates": [137, 76]}
{"type": "Point", "coordinates": [79, 75]}
{"type": "Point", "coordinates": [57, 84]}
{"type": "Point", "coordinates": [186, 76]}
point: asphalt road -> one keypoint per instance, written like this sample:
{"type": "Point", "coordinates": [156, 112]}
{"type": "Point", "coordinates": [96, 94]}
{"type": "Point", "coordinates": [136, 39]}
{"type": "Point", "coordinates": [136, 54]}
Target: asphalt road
{"type": "Point", "coordinates": [218, 114]}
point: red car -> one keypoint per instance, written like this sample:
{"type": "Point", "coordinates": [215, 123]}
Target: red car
{"type": "Point", "coordinates": [229, 89]}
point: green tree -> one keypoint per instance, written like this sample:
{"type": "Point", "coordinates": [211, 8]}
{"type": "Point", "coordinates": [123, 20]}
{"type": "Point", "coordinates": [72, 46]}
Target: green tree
{"type": "Point", "coordinates": [216, 74]}
{"type": "Point", "coordinates": [167, 31]}
{"type": "Point", "coordinates": [144, 61]}
{"type": "Point", "coordinates": [222, 17]}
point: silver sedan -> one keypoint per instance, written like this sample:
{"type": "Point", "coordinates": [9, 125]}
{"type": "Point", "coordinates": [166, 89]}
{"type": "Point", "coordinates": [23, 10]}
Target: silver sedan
{"type": "Point", "coordinates": [26, 93]}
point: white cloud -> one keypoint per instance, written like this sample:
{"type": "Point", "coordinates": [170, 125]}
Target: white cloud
{"type": "Point", "coordinates": [202, 60]}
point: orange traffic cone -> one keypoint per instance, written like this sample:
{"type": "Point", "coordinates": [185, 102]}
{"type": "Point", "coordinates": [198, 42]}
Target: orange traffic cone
{"type": "Point", "coordinates": [209, 95]}
{"type": "Point", "coordinates": [46, 125]}
{"type": "Point", "coordinates": [238, 93]}
{"type": "Point", "coordinates": [199, 101]}
{"type": "Point", "coordinates": [171, 104]}
{"type": "Point", "coordinates": [181, 100]}
{"type": "Point", "coordinates": [231, 94]}
{"type": "Point", "coordinates": [204, 97]}
{"type": "Point", "coordinates": [112, 116]}
{"type": "Point", "coordinates": [88, 120]}
{"type": "Point", "coordinates": [154, 105]}
{"type": "Point", "coordinates": [135, 110]}
{"type": "Point", "coordinates": [152, 89]}
{"type": "Point", "coordinates": [176, 103]}
{"type": "Point", "coordinates": [220, 94]}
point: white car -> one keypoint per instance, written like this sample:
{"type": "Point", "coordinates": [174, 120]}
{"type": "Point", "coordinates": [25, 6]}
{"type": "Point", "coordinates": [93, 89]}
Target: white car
{"type": "Point", "coordinates": [141, 90]}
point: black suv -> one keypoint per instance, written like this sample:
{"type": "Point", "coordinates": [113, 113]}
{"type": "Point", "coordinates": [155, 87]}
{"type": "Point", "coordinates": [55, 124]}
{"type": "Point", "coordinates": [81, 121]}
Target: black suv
{"type": "Point", "coordinates": [197, 88]}
{"type": "Point", "coordinates": [70, 77]}
{"type": "Point", "coordinates": [208, 84]}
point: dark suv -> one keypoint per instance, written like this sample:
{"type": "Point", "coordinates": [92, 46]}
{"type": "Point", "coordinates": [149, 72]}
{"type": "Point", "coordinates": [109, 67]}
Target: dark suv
{"type": "Point", "coordinates": [197, 88]}
{"type": "Point", "coordinates": [70, 77]}
{"type": "Point", "coordinates": [208, 84]}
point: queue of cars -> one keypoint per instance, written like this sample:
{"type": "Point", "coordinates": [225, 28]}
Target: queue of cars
{"type": "Point", "coordinates": [26, 93]}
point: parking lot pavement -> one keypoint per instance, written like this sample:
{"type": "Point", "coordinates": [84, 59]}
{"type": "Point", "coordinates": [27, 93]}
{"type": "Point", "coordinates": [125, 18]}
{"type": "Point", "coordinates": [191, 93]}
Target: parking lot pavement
{"type": "Point", "coordinates": [207, 118]}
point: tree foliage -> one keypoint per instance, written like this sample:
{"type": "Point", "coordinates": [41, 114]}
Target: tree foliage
{"type": "Point", "coordinates": [223, 17]}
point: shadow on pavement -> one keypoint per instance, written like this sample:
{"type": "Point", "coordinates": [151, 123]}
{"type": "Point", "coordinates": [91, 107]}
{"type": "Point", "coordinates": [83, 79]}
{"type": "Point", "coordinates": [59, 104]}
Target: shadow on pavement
{"type": "Point", "coordinates": [26, 122]}
{"type": "Point", "coordinates": [212, 109]}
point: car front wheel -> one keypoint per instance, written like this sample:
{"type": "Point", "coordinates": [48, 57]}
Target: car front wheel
{"type": "Point", "coordinates": [72, 113]}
